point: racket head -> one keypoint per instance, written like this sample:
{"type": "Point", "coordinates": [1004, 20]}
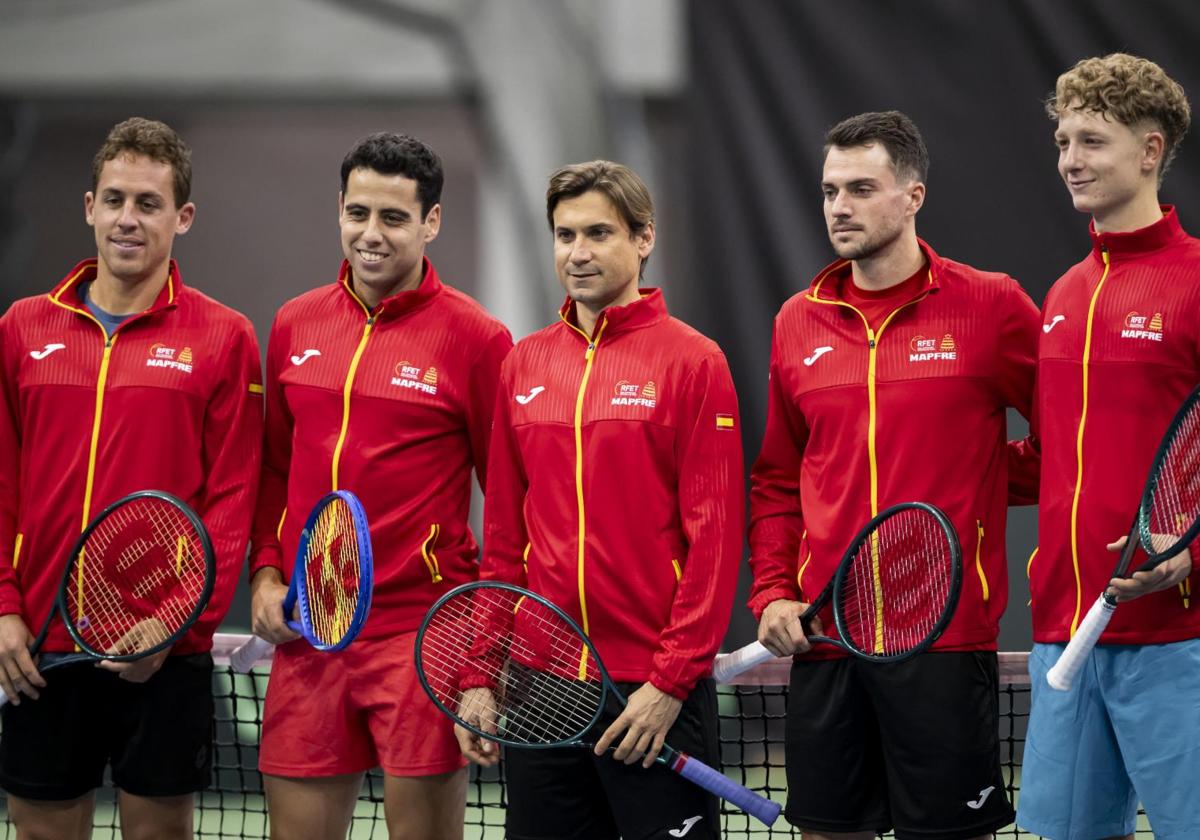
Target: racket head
{"type": "Point", "coordinates": [334, 573]}
{"type": "Point", "coordinates": [898, 584]}
{"type": "Point", "coordinates": [546, 680]}
{"type": "Point", "coordinates": [139, 576]}
{"type": "Point", "coordinates": [1169, 512]}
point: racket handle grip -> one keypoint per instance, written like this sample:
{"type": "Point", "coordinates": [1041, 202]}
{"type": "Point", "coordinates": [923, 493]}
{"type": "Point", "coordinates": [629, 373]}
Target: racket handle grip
{"type": "Point", "coordinates": [1062, 676]}
{"type": "Point", "coordinates": [729, 665]}
{"type": "Point", "coordinates": [762, 809]}
{"type": "Point", "coordinates": [246, 654]}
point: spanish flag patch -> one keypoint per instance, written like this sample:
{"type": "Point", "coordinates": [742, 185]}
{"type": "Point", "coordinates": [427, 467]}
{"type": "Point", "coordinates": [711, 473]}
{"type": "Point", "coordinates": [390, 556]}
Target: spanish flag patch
{"type": "Point", "coordinates": [724, 421]}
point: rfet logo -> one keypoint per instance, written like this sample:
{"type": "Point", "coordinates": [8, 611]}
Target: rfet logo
{"type": "Point", "coordinates": [629, 393]}
{"type": "Point", "coordinates": [168, 357]}
{"type": "Point", "coordinates": [932, 349]}
{"type": "Point", "coordinates": [409, 375]}
{"type": "Point", "coordinates": [1143, 327]}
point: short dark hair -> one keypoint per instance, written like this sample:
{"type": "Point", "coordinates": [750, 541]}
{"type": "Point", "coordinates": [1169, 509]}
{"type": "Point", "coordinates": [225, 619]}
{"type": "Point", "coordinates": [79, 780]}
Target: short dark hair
{"type": "Point", "coordinates": [155, 140]}
{"type": "Point", "coordinates": [893, 130]}
{"type": "Point", "coordinates": [389, 153]}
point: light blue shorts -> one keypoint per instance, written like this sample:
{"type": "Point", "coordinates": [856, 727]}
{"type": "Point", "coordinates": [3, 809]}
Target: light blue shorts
{"type": "Point", "coordinates": [1129, 730]}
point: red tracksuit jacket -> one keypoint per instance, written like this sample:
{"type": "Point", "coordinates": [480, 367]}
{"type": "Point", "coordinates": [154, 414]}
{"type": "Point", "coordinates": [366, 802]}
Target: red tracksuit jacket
{"type": "Point", "coordinates": [862, 419]}
{"type": "Point", "coordinates": [1119, 352]}
{"type": "Point", "coordinates": [172, 401]}
{"type": "Point", "coordinates": [615, 487]}
{"type": "Point", "coordinates": [395, 405]}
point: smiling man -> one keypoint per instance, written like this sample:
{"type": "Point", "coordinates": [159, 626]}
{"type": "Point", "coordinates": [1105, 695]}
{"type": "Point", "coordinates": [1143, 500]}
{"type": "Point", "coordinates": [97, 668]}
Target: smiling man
{"type": "Point", "coordinates": [1118, 355]}
{"type": "Point", "coordinates": [890, 378]}
{"type": "Point", "coordinates": [121, 379]}
{"type": "Point", "coordinates": [382, 383]}
{"type": "Point", "coordinates": [617, 393]}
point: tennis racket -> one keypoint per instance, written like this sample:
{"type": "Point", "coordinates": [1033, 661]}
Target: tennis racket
{"type": "Point", "coordinates": [331, 581]}
{"type": "Point", "coordinates": [1167, 520]}
{"type": "Point", "coordinates": [893, 593]}
{"type": "Point", "coordinates": [545, 684]}
{"type": "Point", "coordinates": [139, 576]}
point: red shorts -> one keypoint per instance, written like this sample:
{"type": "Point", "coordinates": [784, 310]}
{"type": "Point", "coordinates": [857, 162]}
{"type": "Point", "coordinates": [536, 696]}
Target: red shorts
{"type": "Point", "coordinates": [346, 712]}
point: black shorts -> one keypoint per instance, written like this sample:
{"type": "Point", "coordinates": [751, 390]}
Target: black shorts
{"type": "Point", "coordinates": [569, 793]}
{"type": "Point", "coordinates": [157, 735]}
{"type": "Point", "coordinates": [913, 746]}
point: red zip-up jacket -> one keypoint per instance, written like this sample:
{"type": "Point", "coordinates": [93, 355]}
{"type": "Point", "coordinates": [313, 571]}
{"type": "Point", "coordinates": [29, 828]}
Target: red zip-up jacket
{"type": "Point", "coordinates": [1120, 349]}
{"type": "Point", "coordinates": [615, 487]}
{"type": "Point", "coordinates": [859, 419]}
{"type": "Point", "coordinates": [171, 401]}
{"type": "Point", "coordinates": [394, 404]}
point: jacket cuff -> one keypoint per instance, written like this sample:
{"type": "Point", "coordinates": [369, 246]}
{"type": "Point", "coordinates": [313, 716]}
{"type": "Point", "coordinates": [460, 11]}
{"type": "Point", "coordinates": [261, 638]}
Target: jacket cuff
{"type": "Point", "coordinates": [264, 557]}
{"type": "Point", "coordinates": [676, 690]}
{"type": "Point", "coordinates": [11, 602]}
{"type": "Point", "coordinates": [763, 599]}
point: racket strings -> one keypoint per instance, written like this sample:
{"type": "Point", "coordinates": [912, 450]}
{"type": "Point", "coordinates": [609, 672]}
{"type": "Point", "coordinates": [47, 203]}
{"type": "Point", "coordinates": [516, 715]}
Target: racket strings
{"type": "Point", "coordinates": [898, 585]}
{"type": "Point", "coordinates": [333, 572]}
{"type": "Point", "coordinates": [525, 654]}
{"type": "Point", "coordinates": [1173, 505]}
{"type": "Point", "coordinates": [139, 577]}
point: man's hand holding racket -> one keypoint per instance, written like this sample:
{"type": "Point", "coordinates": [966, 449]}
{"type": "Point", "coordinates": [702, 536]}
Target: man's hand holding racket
{"type": "Point", "coordinates": [478, 708]}
{"type": "Point", "coordinates": [267, 621]}
{"type": "Point", "coordinates": [1165, 575]}
{"type": "Point", "coordinates": [645, 721]}
{"type": "Point", "coordinates": [781, 631]}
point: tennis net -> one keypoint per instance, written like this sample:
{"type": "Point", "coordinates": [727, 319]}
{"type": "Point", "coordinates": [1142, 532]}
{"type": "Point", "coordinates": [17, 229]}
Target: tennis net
{"type": "Point", "coordinates": [752, 711]}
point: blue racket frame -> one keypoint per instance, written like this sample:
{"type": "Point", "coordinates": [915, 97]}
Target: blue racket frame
{"type": "Point", "coordinates": [298, 586]}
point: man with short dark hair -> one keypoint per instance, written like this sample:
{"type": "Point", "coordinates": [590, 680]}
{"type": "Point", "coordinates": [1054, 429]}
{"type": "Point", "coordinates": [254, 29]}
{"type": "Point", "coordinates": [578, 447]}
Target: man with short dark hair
{"type": "Point", "coordinates": [382, 383]}
{"type": "Point", "coordinates": [616, 393]}
{"type": "Point", "coordinates": [121, 379]}
{"type": "Point", "coordinates": [890, 379]}
{"type": "Point", "coordinates": [1117, 358]}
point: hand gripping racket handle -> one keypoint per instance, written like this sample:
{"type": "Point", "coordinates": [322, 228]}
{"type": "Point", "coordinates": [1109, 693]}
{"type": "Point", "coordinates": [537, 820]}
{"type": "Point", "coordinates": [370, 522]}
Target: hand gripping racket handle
{"type": "Point", "coordinates": [729, 665]}
{"type": "Point", "coordinates": [1066, 669]}
{"type": "Point", "coordinates": [699, 773]}
{"type": "Point", "coordinates": [243, 658]}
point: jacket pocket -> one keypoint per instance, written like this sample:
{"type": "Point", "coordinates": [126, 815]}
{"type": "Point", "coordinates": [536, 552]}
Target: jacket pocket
{"type": "Point", "coordinates": [428, 554]}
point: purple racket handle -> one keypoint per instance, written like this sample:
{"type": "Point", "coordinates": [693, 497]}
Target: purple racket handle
{"type": "Point", "coordinates": [699, 773]}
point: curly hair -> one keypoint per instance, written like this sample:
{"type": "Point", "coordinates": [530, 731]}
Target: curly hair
{"type": "Point", "coordinates": [155, 140]}
{"type": "Point", "coordinates": [1129, 90]}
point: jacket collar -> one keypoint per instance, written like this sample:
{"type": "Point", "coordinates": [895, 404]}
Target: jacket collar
{"type": "Point", "coordinates": [399, 303]}
{"type": "Point", "coordinates": [827, 285]}
{"type": "Point", "coordinates": [649, 308]}
{"type": "Point", "coordinates": [1141, 241]}
{"type": "Point", "coordinates": [66, 293]}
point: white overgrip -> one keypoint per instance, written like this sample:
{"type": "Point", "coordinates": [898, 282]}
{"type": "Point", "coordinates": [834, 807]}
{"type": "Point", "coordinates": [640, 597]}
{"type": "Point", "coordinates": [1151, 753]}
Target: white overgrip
{"type": "Point", "coordinates": [1062, 676]}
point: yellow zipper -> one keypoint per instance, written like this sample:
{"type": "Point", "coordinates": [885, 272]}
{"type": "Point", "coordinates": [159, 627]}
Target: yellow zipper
{"type": "Point", "coordinates": [589, 356]}
{"type": "Point", "coordinates": [431, 561]}
{"type": "Point", "coordinates": [678, 569]}
{"type": "Point", "coordinates": [17, 550]}
{"type": "Point", "coordinates": [872, 457]}
{"type": "Point", "coordinates": [1087, 354]}
{"type": "Point", "coordinates": [979, 561]}
{"type": "Point", "coordinates": [341, 441]}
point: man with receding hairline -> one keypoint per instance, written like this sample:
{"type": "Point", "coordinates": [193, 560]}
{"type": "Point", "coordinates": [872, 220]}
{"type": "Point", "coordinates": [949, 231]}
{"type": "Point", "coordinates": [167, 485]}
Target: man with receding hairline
{"type": "Point", "coordinates": [1118, 355]}
{"type": "Point", "coordinates": [890, 380]}
{"type": "Point", "coordinates": [85, 419]}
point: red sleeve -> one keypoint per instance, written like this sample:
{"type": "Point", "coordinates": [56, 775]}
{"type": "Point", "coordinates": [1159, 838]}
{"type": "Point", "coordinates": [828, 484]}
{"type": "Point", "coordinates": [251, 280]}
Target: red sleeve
{"type": "Point", "coordinates": [1018, 347]}
{"type": "Point", "coordinates": [484, 383]}
{"type": "Point", "coordinates": [276, 457]}
{"type": "Point", "coordinates": [776, 518]}
{"type": "Point", "coordinates": [708, 451]}
{"type": "Point", "coordinates": [232, 450]}
{"type": "Point", "coordinates": [10, 470]}
{"type": "Point", "coordinates": [504, 534]}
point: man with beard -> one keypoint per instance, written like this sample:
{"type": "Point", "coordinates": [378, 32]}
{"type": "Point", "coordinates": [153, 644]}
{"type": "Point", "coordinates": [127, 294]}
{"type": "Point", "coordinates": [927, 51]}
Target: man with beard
{"type": "Point", "coordinates": [890, 380]}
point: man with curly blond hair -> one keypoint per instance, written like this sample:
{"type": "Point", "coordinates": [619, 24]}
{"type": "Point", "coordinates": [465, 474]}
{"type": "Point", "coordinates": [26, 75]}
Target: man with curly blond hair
{"type": "Point", "coordinates": [1118, 355]}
